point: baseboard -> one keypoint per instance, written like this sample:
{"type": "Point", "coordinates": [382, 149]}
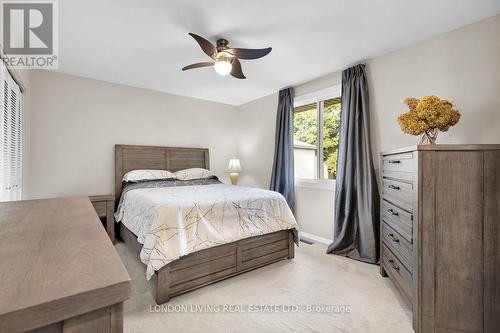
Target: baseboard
{"type": "Point", "coordinates": [316, 238]}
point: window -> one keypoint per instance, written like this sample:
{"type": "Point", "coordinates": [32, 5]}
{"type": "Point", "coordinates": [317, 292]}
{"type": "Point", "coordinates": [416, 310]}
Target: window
{"type": "Point", "coordinates": [10, 137]}
{"type": "Point", "coordinates": [305, 141]}
{"type": "Point", "coordinates": [316, 135]}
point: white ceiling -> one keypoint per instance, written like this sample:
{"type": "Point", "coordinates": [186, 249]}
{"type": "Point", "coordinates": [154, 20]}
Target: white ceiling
{"type": "Point", "coordinates": [145, 43]}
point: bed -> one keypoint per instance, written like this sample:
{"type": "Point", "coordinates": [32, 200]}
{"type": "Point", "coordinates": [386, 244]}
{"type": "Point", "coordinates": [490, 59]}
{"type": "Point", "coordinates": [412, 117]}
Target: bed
{"type": "Point", "coordinates": [214, 258]}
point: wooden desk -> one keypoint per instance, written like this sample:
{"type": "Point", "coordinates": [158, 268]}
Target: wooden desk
{"type": "Point", "coordinates": [104, 206]}
{"type": "Point", "coordinates": [59, 270]}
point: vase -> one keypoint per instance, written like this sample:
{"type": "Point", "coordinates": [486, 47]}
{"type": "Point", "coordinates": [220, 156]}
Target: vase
{"type": "Point", "coordinates": [429, 137]}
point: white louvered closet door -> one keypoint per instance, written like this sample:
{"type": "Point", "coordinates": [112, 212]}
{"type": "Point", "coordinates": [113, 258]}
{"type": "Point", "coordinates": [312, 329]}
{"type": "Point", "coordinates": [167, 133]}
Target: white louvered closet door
{"type": "Point", "coordinates": [10, 137]}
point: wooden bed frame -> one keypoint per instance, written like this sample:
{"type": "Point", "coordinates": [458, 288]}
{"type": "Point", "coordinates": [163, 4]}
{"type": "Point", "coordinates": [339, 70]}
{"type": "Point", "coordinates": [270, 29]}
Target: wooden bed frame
{"type": "Point", "coordinates": [206, 266]}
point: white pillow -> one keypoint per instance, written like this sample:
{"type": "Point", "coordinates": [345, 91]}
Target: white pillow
{"type": "Point", "coordinates": [136, 175]}
{"type": "Point", "coordinates": [193, 173]}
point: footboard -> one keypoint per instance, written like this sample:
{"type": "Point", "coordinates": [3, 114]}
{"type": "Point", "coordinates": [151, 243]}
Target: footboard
{"type": "Point", "coordinates": [218, 263]}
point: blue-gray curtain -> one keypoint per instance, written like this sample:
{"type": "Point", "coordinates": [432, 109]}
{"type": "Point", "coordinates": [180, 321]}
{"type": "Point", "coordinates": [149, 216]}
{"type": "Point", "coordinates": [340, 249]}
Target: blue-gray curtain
{"type": "Point", "coordinates": [282, 178]}
{"type": "Point", "coordinates": [356, 222]}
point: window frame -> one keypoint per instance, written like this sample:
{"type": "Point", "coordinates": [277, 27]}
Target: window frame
{"type": "Point", "coordinates": [318, 97]}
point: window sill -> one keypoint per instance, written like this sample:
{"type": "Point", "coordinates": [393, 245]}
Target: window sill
{"type": "Point", "coordinates": [317, 184]}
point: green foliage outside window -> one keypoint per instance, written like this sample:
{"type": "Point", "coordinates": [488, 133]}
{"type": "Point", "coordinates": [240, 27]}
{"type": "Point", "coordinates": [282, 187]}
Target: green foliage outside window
{"type": "Point", "coordinates": [305, 130]}
{"type": "Point", "coordinates": [331, 129]}
{"type": "Point", "coordinates": [304, 125]}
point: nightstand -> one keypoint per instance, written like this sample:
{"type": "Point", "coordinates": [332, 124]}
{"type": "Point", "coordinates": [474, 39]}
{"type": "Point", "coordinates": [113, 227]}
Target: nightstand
{"type": "Point", "coordinates": [105, 206]}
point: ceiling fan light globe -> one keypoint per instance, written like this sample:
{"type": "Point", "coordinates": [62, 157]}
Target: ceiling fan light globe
{"type": "Point", "coordinates": [223, 67]}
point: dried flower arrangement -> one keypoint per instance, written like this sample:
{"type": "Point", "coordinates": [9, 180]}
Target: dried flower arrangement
{"type": "Point", "coordinates": [428, 116]}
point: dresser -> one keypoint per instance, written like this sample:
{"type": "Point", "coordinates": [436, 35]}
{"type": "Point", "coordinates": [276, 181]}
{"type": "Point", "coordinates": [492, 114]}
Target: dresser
{"type": "Point", "coordinates": [59, 271]}
{"type": "Point", "coordinates": [440, 234]}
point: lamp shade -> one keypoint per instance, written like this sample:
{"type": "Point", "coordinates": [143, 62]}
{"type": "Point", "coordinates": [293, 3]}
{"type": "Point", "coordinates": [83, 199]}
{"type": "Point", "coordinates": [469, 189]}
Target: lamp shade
{"type": "Point", "coordinates": [234, 166]}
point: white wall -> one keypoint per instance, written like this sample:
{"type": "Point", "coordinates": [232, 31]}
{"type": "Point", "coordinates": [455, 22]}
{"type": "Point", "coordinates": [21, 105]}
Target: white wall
{"type": "Point", "coordinates": [462, 66]}
{"type": "Point", "coordinates": [314, 211]}
{"type": "Point", "coordinates": [75, 123]}
{"type": "Point", "coordinates": [256, 135]}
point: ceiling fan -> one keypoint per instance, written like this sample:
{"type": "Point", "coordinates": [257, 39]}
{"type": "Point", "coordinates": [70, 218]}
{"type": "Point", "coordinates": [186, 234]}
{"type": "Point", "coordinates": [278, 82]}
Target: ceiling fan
{"type": "Point", "coordinates": [225, 59]}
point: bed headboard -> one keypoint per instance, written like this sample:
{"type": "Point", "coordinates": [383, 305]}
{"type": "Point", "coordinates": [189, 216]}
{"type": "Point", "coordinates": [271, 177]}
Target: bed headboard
{"type": "Point", "coordinates": [129, 158]}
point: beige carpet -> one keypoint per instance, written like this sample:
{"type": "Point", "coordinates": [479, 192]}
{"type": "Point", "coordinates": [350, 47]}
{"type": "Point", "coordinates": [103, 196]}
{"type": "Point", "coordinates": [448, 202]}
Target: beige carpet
{"type": "Point", "coordinates": [311, 278]}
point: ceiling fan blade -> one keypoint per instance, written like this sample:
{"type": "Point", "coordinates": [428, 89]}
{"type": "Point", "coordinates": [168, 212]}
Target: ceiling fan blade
{"type": "Point", "coordinates": [205, 45]}
{"type": "Point", "coordinates": [249, 53]}
{"type": "Point", "coordinates": [198, 65]}
{"type": "Point", "coordinates": [236, 71]}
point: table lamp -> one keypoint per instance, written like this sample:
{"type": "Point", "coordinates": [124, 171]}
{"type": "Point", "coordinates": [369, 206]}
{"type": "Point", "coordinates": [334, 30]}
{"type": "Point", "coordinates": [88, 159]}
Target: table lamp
{"type": "Point", "coordinates": [234, 168]}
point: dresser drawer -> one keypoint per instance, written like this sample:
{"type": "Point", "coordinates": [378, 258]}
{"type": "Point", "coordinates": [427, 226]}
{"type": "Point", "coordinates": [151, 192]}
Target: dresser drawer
{"type": "Point", "coordinates": [406, 177]}
{"type": "Point", "coordinates": [401, 277]}
{"type": "Point", "coordinates": [100, 208]}
{"type": "Point", "coordinates": [399, 219]}
{"type": "Point", "coordinates": [401, 248]}
{"type": "Point", "coordinates": [398, 193]}
{"type": "Point", "coordinates": [398, 162]}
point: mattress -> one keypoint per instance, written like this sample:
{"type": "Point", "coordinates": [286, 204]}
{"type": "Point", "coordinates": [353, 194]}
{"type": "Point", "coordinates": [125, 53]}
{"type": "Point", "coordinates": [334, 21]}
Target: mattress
{"type": "Point", "coordinates": [173, 218]}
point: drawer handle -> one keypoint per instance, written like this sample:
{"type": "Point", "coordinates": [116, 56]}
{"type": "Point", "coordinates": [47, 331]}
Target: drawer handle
{"type": "Point", "coordinates": [394, 187]}
{"type": "Point", "coordinates": [394, 239]}
{"type": "Point", "coordinates": [392, 264]}
{"type": "Point", "coordinates": [394, 161]}
{"type": "Point", "coordinates": [393, 212]}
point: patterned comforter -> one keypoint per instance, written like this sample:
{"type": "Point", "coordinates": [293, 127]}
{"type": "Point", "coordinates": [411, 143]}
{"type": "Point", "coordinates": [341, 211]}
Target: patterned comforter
{"type": "Point", "coordinates": [173, 218]}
